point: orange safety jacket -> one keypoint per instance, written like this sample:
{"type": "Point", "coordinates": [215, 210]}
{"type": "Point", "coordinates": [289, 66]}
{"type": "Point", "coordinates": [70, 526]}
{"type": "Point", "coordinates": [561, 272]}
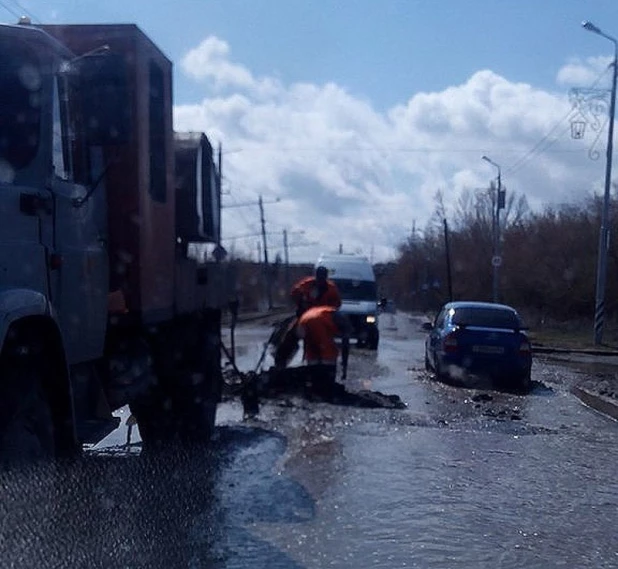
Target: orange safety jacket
{"type": "Point", "coordinates": [306, 294]}
{"type": "Point", "coordinates": [318, 329]}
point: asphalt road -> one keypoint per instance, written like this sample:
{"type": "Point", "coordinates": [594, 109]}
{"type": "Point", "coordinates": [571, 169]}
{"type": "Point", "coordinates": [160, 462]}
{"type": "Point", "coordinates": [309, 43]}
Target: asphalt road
{"type": "Point", "coordinates": [461, 478]}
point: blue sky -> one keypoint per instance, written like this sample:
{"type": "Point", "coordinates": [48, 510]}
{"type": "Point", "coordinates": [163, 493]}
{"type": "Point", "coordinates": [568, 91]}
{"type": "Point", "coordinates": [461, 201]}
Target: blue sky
{"type": "Point", "coordinates": [356, 112]}
{"type": "Point", "coordinates": [383, 50]}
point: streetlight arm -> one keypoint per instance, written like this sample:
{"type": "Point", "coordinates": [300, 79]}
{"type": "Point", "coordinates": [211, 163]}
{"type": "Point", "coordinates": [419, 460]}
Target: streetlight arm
{"type": "Point", "coordinates": [487, 159]}
{"type": "Point", "coordinates": [596, 30]}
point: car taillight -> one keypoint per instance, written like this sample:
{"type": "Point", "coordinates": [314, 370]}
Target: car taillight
{"type": "Point", "coordinates": [450, 343]}
{"type": "Point", "coordinates": [524, 347]}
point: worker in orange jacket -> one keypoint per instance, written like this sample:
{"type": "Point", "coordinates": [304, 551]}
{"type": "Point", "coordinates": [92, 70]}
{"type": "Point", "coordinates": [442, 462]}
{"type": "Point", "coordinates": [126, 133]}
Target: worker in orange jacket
{"type": "Point", "coordinates": [318, 290]}
{"type": "Point", "coordinates": [306, 293]}
{"type": "Point", "coordinates": [318, 327]}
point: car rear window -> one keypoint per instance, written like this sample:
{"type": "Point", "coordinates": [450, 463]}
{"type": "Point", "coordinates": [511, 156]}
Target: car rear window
{"type": "Point", "coordinates": [486, 317]}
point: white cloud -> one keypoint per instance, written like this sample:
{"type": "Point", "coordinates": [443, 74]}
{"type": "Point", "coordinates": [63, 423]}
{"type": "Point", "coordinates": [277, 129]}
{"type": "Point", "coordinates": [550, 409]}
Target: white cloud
{"type": "Point", "coordinates": [584, 73]}
{"type": "Point", "coordinates": [210, 62]}
{"type": "Point", "coordinates": [348, 173]}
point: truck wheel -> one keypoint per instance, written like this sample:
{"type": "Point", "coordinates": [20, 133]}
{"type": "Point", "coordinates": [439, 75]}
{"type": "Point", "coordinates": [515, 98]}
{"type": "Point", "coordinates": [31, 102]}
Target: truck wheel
{"type": "Point", "coordinates": [153, 412]}
{"type": "Point", "coordinates": [27, 429]}
{"type": "Point", "coordinates": [152, 406]}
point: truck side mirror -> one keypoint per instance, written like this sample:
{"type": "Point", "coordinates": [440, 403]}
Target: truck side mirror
{"type": "Point", "coordinates": [104, 96]}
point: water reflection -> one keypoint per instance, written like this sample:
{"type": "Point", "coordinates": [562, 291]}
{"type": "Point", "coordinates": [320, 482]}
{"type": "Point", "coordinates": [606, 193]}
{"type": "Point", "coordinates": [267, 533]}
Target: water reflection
{"type": "Point", "coordinates": [182, 509]}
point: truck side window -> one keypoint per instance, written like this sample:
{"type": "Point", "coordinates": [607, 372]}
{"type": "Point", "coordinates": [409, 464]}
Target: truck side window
{"type": "Point", "coordinates": [156, 139]}
{"type": "Point", "coordinates": [70, 159]}
{"type": "Point", "coordinates": [20, 111]}
{"type": "Point", "coordinates": [59, 143]}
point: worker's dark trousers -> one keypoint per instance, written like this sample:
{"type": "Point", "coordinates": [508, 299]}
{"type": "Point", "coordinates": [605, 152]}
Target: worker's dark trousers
{"type": "Point", "coordinates": [322, 378]}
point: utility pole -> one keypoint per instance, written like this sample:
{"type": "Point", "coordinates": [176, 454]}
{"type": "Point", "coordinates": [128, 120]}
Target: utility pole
{"type": "Point", "coordinates": [498, 259]}
{"type": "Point", "coordinates": [286, 254]}
{"type": "Point", "coordinates": [261, 203]}
{"type": "Point", "coordinates": [286, 258]}
{"type": "Point", "coordinates": [497, 205]}
{"type": "Point", "coordinates": [448, 262]}
{"type": "Point", "coordinates": [220, 160]}
{"type": "Point", "coordinates": [269, 292]}
{"type": "Point", "coordinates": [219, 252]}
{"type": "Point", "coordinates": [599, 309]}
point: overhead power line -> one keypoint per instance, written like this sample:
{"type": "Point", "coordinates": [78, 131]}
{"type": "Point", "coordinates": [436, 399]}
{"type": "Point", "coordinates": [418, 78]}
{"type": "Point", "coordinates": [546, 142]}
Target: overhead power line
{"type": "Point", "coordinates": [22, 11]}
{"type": "Point", "coordinates": [11, 11]}
{"type": "Point", "coordinates": [26, 12]}
{"type": "Point", "coordinates": [539, 147]}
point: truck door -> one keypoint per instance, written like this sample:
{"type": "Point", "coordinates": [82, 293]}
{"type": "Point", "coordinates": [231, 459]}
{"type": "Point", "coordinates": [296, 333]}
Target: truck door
{"type": "Point", "coordinates": [80, 275]}
{"type": "Point", "coordinates": [25, 214]}
{"type": "Point", "coordinates": [25, 206]}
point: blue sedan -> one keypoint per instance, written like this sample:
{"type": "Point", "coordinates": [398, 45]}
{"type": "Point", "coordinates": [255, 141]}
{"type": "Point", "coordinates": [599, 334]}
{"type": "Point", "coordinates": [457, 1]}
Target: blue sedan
{"type": "Point", "coordinates": [479, 339]}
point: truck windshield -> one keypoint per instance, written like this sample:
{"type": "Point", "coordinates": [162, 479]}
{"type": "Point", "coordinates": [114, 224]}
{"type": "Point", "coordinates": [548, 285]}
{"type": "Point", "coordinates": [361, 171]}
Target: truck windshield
{"type": "Point", "coordinates": [357, 290]}
{"type": "Point", "coordinates": [20, 113]}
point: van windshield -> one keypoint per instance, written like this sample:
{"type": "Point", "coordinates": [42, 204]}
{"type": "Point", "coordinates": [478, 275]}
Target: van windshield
{"type": "Point", "coordinates": [356, 290]}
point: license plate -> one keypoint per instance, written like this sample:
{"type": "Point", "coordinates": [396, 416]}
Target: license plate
{"type": "Point", "coordinates": [488, 349]}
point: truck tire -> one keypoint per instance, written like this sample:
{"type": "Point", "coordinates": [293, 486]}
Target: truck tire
{"type": "Point", "coordinates": [202, 393]}
{"type": "Point", "coordinates": [181, 402]}
{"type": "Point", "coordinates": [153, 412]}
{"type": "Point", "coordinates": [26, 424]}
{"type": "Point", "coordinates": [152, 407]}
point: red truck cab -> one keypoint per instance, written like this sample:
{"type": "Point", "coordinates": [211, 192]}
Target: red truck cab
{"type": "Point", "coordinates": [97, 215]}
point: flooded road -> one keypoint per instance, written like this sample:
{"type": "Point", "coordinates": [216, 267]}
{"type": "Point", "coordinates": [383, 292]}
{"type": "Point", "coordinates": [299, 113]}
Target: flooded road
{"type": "Point", "coordinates": [461, 478]}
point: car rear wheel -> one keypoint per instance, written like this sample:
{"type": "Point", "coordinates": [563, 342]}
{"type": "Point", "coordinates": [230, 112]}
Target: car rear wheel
{"type": "Point", "coordinates": [525, 384]}
{"type": "Point", "coordinates": [440, 375]}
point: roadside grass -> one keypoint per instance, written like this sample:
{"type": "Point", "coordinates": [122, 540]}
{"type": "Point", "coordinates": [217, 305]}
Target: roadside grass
{"type": "Point", "coordinates": [574, 336]}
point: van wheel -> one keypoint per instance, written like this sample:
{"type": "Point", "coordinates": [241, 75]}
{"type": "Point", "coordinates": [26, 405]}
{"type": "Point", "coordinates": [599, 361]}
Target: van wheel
{"type": "Point", "coordinates": [374, 339]}
{"type": "Point", "coordinates": [26, 424]}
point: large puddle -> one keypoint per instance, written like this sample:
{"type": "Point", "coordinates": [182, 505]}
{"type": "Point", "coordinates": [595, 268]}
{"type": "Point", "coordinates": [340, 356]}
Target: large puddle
{"type": "Point", "coordinates": [461, 478]}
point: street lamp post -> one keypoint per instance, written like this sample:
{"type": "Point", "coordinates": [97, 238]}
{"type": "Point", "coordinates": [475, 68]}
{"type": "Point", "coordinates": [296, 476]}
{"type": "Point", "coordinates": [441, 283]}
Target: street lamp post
{"type": "Point", "coordinates": [496, 259]}
{"type": "Point", "coordinates": [599, 309]}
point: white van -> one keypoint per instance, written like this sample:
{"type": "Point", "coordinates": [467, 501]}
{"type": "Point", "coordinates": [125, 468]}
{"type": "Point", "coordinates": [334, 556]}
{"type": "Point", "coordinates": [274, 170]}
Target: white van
{"type": "Point", "coordinates": [356, 281]}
